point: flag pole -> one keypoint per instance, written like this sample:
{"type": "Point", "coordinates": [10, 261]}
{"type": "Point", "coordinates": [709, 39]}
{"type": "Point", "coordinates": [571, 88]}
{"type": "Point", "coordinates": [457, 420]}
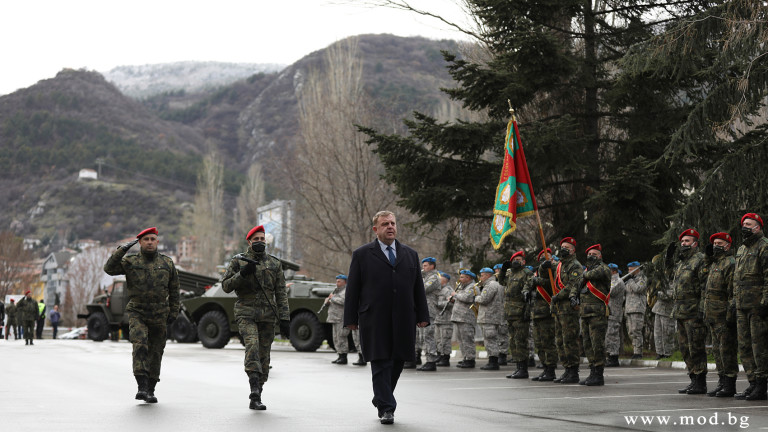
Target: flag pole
{"type": "Point", "coordinates": [533, 197]}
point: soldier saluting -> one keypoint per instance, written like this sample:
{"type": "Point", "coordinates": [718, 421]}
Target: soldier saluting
{"type": "Point", "coordinates": [152, 285]}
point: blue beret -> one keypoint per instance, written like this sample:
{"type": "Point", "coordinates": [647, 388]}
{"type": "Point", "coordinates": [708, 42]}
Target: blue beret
{"type": "Point", "coordinates": [613, 266]}
{"type": "Point", "coordinates": [468, 273]}
{"type": "Point", "coordinates": [529, 268]}
{"type": "Point", "coordinates": [486, 270]}
{"type": "Point", "coordinates": [341, 276]}
{"type": "Point", "coordinates": [429, 260]}
{"type": "Point", "coordinates": [497, 266]}
{"type": "Point", "coordinates": [633, 264]}
{"type": "Point", "coordinates": [445, 275]}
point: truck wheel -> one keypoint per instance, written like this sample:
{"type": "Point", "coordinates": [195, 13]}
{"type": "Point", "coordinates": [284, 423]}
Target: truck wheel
{"type": "Point", "coordinates": [183, 331]}
{"type": "Point", "coordinates": [98, 328]}
{"type": "Point", "coordinates": [306, 332]}
{"type": "Point", "coordinates": [213, 330]}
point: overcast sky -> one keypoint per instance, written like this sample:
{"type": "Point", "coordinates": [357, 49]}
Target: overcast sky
{"type": "Point", "coordinates": [42, 37]}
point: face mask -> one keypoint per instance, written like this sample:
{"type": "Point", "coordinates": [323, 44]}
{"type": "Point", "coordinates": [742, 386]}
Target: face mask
{"type": "Point", "coordinates": [746, 233]}
{"type": "Point", "coordinates": [718, 250]}
{"type": "Point", "coordinates": [592, 259]}
{"type": "Point", "coordinates": [259, 247]}
{"type": "Point", "coordinates": [564, 253]}
{"type": "Point", "coordinates": [516, 265]}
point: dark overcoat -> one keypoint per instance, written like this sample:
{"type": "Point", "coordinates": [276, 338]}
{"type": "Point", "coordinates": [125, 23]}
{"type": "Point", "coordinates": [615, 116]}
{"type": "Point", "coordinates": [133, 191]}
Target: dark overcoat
{"type": "Point", "coordinates": [386, 302]}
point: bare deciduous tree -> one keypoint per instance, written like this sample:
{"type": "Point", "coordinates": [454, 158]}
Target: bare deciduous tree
{"type": "Point", "coordinates": [248, 201]}
{"type": "Point", "coordinates": [207, 221]}
{"type": "Point", "coordinates": [14, 263]}
{"type": "Point", "coordinates": [85, 276]}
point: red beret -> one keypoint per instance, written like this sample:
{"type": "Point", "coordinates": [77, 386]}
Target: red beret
{"type": "Point", "coordinates": [517, 254]}
{"type": "Point", "coordinates": [570, 240]}
{"type": "Point", "coordinates": [754, 216]}
{"type": "Point", "coordinates": [597, 246]}
{"type": "Point", "coordinates": [13, 301]}
{"type": "Point", "coordinates": [721, 236]}
{"type": "Point", "coordinates": [689, 232]}
{"type": "Point", "coordinates": [254, 230]}
{"type": "Point", "coordinates": [28, 291]}
{"type": "Point", "coordinates": [152, 230]}
{"type": "Point", "coordinates": [542, 253]}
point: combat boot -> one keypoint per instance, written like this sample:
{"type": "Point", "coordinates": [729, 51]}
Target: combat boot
{"type": "Point", "coordinates": [517, 371]}
{"type": "Point", "coordinates": [418, 357]}
{"type": "Point", "coordinates": [596, 379]}
{"type": "Point", "coordinates": [729, 387]}
{"type": "Point", "coordinates": [748, 390]}
{"type": "Point", "coordinates": [688, 387]}
{"type": "Point", "coordinates": [759, 392]}
{"type": "Point", "coordinates": [572, 377]}
{"type": "Point", "coordinates": [467, 364]}
{"type": "Point", "coordinates": [428, 367]}
{"type": "Point", "coordinates": [360, 361]}
{"type": "Point", "coordinates": [503, 359]}
{"type": "Point", "coordinates": [151, 391]}
{"type": "Point", "coordinates": [493, 363]}
{"type": "Point", "coordinates": [565, 375]}
{"type": "Point", "coordinates": [720, 383]}
{"type": "Point", "coordinates": [699, 384]}
{"type": "Point", "coordinates": [591, 374]}
{"type": "Point", "coordinates": [445, 360]}
{"type": "Point", "coordinates": [141, 380]}
{"type": "Point", "coordinates": [255, 396]}
{"type": "Point", "coordinates": [342, 359]}
{"type": "Point", "coordinates": [549, 374]}
{"type": "Point", "coordinates": [613, 361]}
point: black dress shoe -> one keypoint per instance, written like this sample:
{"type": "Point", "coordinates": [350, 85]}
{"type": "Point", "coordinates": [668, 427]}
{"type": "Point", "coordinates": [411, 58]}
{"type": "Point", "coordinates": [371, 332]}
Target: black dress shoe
{"type": "Point", "coordinates": [388, 418]}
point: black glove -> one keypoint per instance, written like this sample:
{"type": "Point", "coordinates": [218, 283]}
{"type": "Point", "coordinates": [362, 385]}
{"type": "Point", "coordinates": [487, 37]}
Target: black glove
{"type": "Point", "coordinates": [762, 311]}
{"type": "Point", "coordinates": [128, 245]}
{"type": "Point", "coordinates": [170, 319]}
{"type": "Point", "coordinates": [574, 301]}
{"type": "Point", "coordinates": [526, 296]}
{"type": "Point", "coordinates": [538, 281]}
{"type": "Point", "coordinates": [249, 269]}
{"type": "Point", "coordinates": [546, 265]}
{"type": "Point", "coordinates": [285, 328]}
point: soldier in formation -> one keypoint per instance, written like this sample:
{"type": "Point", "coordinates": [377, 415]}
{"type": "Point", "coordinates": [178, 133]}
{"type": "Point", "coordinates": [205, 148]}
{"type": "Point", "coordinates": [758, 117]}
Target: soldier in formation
{"type": "Point", "coordinates": [262, 304]}
{"type": "Point", "coordinates": [11, 324]}
{"type": "Point", "coordinates": [718, 316]}
{"type": "Point", "coordinates": [490, 315]}
{"type": "Point", "coordinates": [636, 305]}
{"type": "Point", "coordinates": [443, 324]}
{"type": "Point", "coordinates": [152, 286]}
{"type": "Point", "coordinates": [504, 328]}
{"type": "Point", "coordinates": [432, 288]}
{"type": "Point", "coordinates": [662, 303]}
{"type": "Point", "coordinates": [567, 274]}
{"type": "Point", "coordinates": [341, 334]}
{"type": "Point", "coordinates": [592, 296]}
{"type": "Point", "coordinates": [616, 307]}
{"type": "Point", "coordinates": [515, 308]}
{"type": "Point", "coordinates": [28, 310]}
{"type": "Point", "coordinates": [750, 299]}
{"type": "Point", "coordinates": [465, 318]}
{"type": "Point", "coordinates": [539, 291]}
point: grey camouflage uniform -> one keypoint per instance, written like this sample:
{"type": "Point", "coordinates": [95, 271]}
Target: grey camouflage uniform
{"type": "Point", "coordinates": [637, 302]}
{"type": "Point", "coordinates": [443, 324]}
{"type": "Point", "coordinates": [663, 323]}
{"type": "Point", "coordinates": [491, 314]}
{"type": "Point", "coordinates": [465, 320]}
{"type": "Point", "coordinates": [616, 307]}
{"type": "Point", "coordinates": [432, 289]}
{"type": "Point", "coordinates": [336, 317]}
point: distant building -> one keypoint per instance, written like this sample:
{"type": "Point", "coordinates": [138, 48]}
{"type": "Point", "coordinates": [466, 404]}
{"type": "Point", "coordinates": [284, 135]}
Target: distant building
{"type": "Point", "coordinates": [187, 254]}
{"type": "Point", "coordinates": [88, 174]}
{"type": "Point", "coordinates": [87, 243]}
{"type": "Point", "coordinates": [31, 243]}
{"type": "Point", "coordinates": [54, 276]}
{"type": "Point", "coordinates": [277, 218]}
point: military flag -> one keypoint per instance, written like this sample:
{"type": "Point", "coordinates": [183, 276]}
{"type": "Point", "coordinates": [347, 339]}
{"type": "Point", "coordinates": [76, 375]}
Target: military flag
{"type": "Point", "coordinates": [514, 194]}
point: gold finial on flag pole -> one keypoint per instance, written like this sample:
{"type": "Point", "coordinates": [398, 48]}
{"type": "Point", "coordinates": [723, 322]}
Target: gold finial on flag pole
{"type": "Point", "coordinates": [511, 110]}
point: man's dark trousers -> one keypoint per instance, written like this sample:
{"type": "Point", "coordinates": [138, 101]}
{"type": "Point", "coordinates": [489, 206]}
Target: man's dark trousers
{"type": "Point", "coordinates": [384, 374]}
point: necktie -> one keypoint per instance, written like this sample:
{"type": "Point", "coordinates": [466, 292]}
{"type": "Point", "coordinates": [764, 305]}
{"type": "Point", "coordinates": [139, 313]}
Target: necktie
{"type": "Point", "coordinates": [391, 255]}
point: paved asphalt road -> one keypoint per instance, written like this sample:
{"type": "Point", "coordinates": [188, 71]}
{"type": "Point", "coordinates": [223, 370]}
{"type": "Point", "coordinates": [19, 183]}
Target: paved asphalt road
{"type": "Point", "coordinates": [87, 386]}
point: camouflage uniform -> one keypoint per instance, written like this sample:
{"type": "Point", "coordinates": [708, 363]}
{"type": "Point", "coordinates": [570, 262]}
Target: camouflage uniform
{"type": "Point", "coordinates": [717, 297]}
{"type": "Point", "coordinates": [514, 310]}
{"type": "Point", "coordinates": [465, 319]}
{"type": "Point", "coordinates": [636, 304]}
{"type": "Point", "coordinates": [594, 319]}
{"type": "Point", "coordinates": [28, 308]}
{"type": "Point", "coordinates": [335, 317]}
{"type": "Point", "coordinates": [152, 290]}
{"type": "Point", "coordinates": [491, 314]}
{"type": "Point", "coordinates": [443, 324]}
{"type": "Point", "coordinates": [663, 323]}
{"type": "Point", "coordinates": [432, 289]}
{"type": "Point", "coordinates": [543, 322]}
{"type": "Point", "coordinates": [259, 295]}
{"type": "Point", "coordinates": [616, 307]}
{"type": "Point", "coordinates": [567, 275]}
{"type": "Point", "coordinates": [11, 313]}
{"type": "Point", "coordinates": [750, 290]}
{"type": "Point", "coordinates": [688, 284]}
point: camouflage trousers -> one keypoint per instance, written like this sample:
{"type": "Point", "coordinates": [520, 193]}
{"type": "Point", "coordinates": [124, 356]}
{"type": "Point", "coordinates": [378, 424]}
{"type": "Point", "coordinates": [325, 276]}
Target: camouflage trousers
{"type": "Point", "coordinates": [593, 331]}
{"type": "Point", "coordinates": [531, 344]}
{"type": "Point", "coordinates": [725, 344]}
{"type": "Point", "coordinates": [28, 328]}
{"type": "Point", "coordinates": [544, 339]}
{"type": "Point", "coordinates": [340, 338]}
{"type": "Point", "coordinates": [491, 339]}
{"type": "Point", "coordinates": [692, 335]}
{"type": "Point", "coordinates": [147, 333]}
{"type": "Point", "coordinates": [635, 324]}
{"type": "Point", "coordinates": [753, 343]}
{"type": "Point", "coordinates": [613, 337]}
{"type": "Point", "coordinates": [420, 338]}
{"type": "Point", "coordinates": [444, 337]}
{"type": "Point", "coordinates": [567, 338]}
{"type": "Point", "coordinates": [430, 344]}
{"type": "Point", "coordinates": [466, 337]}
{"type": "Point", "coordinates": [258, 338]}
{"type": "Point", "coordinates": [504, 338]}
{"type": "Point", "coordinates": [664, 335]}
{"type": "Point", "coordinates": [518, 339]}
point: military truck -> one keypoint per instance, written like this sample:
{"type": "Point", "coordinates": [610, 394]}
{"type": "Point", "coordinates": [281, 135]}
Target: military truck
{"type": "Point", "coordinates": [212, 314]}
{"type": "Point", "coordinates": [106, 315]}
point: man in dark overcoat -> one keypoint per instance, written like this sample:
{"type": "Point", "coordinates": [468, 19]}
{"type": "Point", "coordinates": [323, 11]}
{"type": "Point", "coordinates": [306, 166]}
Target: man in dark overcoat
{"type": "Point", "coordinates": [386, 302]}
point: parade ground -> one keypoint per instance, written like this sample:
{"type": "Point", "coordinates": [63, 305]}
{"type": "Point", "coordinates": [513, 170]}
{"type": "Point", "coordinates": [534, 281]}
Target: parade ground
{"type": "Point", "coordinates": [80, 385]}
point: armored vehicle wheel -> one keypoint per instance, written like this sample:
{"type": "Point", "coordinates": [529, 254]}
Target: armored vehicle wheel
{"type": "Point", "coordinates": [306, 332]}
{"type": "Point", "coordinates": [98, 328]}
{"type": "Point", "coordinates": [183, 331]}
{"type": "Point", "coordinates": [213, 330]}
